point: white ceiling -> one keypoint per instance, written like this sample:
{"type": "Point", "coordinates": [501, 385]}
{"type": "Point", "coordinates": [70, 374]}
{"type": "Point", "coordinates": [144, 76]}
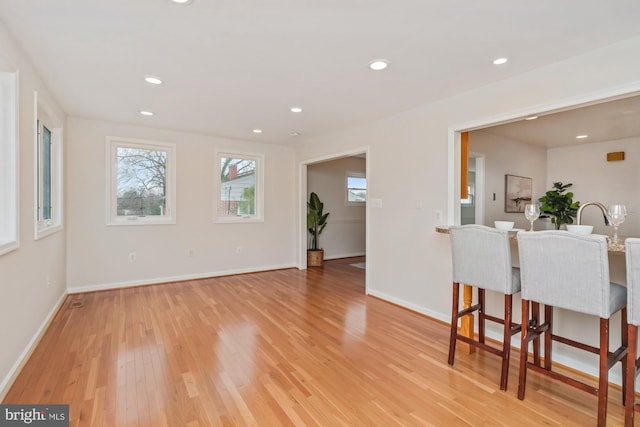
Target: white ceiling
{"type": "Point", "coordinates": [605, 121]}
{"type": "Point", "coordinates": [230, 66]}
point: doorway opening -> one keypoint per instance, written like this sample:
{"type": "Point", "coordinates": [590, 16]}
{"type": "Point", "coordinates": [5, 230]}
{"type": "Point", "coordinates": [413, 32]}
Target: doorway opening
{"type": "Point", "coordinates": [339, 181]}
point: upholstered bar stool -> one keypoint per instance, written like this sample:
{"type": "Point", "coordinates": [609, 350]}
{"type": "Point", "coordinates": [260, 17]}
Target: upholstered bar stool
{"type": "Point", "coordinates": [570, 271]}
{"type": "Point", "coordinates": [482, 258]}
{"type": "Point", "coordinates": [632, 248]}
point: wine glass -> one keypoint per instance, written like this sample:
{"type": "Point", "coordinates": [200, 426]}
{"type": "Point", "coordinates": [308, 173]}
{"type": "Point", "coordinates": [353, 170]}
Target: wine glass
{"type": "Point", "coordinates": [616, 215]}
{"type": "Point", "coordinates": [531, 212]}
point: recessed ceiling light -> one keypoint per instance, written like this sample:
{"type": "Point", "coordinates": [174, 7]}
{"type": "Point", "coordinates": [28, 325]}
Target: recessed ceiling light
{"type": "Point", "coordinates": [257, 131]}
{"type": "Point", "coordinates": [294, 133]}
{"type": "Point", "coordinates": [582, 136]}
{"type": "Point", "coordinates": [296, 110]}
{"type": "Point", "coordinates": [182, 1]}
{"type": "Point", "coordinates": [153, 80]}
{"type": "Point", "coordinates": [531, 118]}
{"type": "Point", "coordinates": [146, 113]}
{"type": "Point", "coordinates": [378, 64]}
{"type": "Point", "coordinates": [500, 61]}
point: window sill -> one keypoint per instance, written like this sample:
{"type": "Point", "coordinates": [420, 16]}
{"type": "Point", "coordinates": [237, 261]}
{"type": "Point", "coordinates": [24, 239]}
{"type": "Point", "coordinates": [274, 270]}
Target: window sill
{"type": "Point", "coordinates": [7, 246]}
{"type": "Point", "coordinates": [238, 220]}
{"type": "Point", "coordinates": [43, 231]}
{"type": "Point", "coordinates": [136, 220]}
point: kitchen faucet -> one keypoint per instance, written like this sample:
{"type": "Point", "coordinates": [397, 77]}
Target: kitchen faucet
{"type": "Point", "coordinates": [598, 204]}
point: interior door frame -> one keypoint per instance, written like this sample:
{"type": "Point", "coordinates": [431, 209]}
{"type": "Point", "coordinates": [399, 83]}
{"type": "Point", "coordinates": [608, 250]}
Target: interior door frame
{"type": "Point", "coordinates": [302, 204]}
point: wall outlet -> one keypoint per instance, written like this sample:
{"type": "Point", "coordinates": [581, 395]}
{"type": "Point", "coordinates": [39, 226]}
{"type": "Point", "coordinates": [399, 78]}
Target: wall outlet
{"type": "Point", "coordinates": [239, 249]}
{"type": "Point", "coordinates": [438, 215]}
{"type": "Point", "coordinates": [132, 257]}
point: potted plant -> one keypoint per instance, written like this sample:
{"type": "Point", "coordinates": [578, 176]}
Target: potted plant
{"type": "Point", "coordinates": [558, 205]}
{"type": "Point", "coordinates": [316, 222]}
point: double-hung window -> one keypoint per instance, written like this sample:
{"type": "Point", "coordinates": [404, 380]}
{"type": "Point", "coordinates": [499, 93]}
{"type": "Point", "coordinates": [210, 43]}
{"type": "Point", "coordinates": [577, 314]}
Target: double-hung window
{"type": "Point", "coordinates": [239, 188]}
{"type": "Point", "coordinates": [48, 162]}
{"type": "Point", "coordinates": [356, 188]}
{"type": "Point", "coordinates": [141, 182]}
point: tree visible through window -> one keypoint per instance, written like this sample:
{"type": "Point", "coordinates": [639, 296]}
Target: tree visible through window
{"type": "Point", "coordinates": [141, 181]}
{"type": "Point", "coordinates": [141, 178]}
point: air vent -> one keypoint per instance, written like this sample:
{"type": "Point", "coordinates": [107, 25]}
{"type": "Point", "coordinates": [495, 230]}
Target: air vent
{"type": "Point", "coordinates": [76, 304]}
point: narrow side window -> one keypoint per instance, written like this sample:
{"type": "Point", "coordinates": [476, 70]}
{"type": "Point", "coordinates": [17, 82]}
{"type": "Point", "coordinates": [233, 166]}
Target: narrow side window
{"type": "Point", "coordinates": [48, 166]}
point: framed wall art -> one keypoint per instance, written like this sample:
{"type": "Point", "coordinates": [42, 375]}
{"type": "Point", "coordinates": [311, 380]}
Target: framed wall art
{"type": "Point", "coordinates": [517, 193]}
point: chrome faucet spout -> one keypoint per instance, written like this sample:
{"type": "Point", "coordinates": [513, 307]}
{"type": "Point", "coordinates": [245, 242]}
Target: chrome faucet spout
{"type": "Point", "coordinates": [599, 205]}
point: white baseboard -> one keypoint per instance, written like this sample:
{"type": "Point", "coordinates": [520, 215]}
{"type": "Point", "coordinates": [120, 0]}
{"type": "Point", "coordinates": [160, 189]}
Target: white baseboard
{"type": "Point", "coordinates": [338, 256]}
{"type": "Point", "coordinates": [158, 280]}
{"type": "Point", "coordinates": [11, 376]}
{"type": "Point", "coordinates": [413, 307]}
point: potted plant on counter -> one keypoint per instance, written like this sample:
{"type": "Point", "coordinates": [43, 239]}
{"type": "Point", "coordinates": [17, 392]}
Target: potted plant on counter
{"type": "Point", "coordinates": [316, 222]}
{"type": "Point", "coordinates": [558, 205]}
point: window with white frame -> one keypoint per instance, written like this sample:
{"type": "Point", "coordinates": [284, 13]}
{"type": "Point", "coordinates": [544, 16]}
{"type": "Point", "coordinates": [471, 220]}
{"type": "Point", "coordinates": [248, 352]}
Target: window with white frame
{"type": "Point", "coordinates": [470, 200]}
{"type": "Point", "coordinates": [8, 159]}
{"type": "Point", "coordinates": [48, 162]}
{"type": "Point", "coordinates": [356, 188]}
{"type": "Point", "coordinates": [239, 187]}
{"type": "Point", "coordinates": [141, 182]}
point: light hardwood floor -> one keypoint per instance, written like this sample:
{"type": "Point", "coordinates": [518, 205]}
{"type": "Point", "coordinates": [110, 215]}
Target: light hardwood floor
{"type": "Point", "coordinates": [277, 348]}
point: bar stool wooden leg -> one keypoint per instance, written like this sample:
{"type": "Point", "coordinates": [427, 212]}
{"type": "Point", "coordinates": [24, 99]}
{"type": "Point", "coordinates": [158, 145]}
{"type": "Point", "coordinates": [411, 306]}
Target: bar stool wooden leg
{"type": "Point", "coordinates": [535, 322]}
{"type": "Point", "coordinates": [625, 343]}
{"type": "Point", "coordinates": [522, 376]}
{"type": "Point", "coordinates": [548, 318]}
{"type": "Point", "coordinates": [454, 322]}
{"type": "Point", "coordinates": [481, 317]}
{"type": "Point", "coordinates": [603, 383]}
{"type": "Point", "coordinates": [506, 341]}
{"type": "Point", "coordinates": [629, 401]}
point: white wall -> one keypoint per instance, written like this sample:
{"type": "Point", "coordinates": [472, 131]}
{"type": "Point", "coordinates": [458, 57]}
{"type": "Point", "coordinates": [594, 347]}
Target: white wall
{"type": "Point", "coordinates": [508, 157]}
{"type": "Point", "coordinates": [98, 254]}
{"type": "Point", "coordinates": [408, 262]}
{"type": "Point", "coordinates": [32, 278]}
{"type": "Point", "coordinates": [344, 234]}
{"type": "Point", "coordinates": [595, 179]}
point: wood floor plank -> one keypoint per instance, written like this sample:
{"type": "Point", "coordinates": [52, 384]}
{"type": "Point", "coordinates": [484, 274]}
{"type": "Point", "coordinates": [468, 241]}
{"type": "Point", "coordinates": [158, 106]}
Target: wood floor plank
{"type": "Point", "coordinates": [279, 348]}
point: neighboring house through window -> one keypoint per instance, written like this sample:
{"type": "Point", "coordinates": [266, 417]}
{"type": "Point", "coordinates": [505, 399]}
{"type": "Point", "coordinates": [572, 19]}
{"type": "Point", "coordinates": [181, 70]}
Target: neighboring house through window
{"type": "Point", "coordinates": [239, 187]}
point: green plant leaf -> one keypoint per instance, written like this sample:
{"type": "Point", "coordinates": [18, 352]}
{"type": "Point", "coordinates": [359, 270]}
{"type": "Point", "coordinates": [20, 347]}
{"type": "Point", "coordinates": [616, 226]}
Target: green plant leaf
{"type": "Point", "coordinates": [558, 205]}
{"type": "Point", "coordinates": [316, 220]}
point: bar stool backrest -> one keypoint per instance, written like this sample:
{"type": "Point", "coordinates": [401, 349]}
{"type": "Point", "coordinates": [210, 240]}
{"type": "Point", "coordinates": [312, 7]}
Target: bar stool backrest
{"type": "Point", "coordinates": [566, 270]}
{"type": "Point", "coordinates": [482, 257]}
{"type": "Point", "coordinates": [632, 247]}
